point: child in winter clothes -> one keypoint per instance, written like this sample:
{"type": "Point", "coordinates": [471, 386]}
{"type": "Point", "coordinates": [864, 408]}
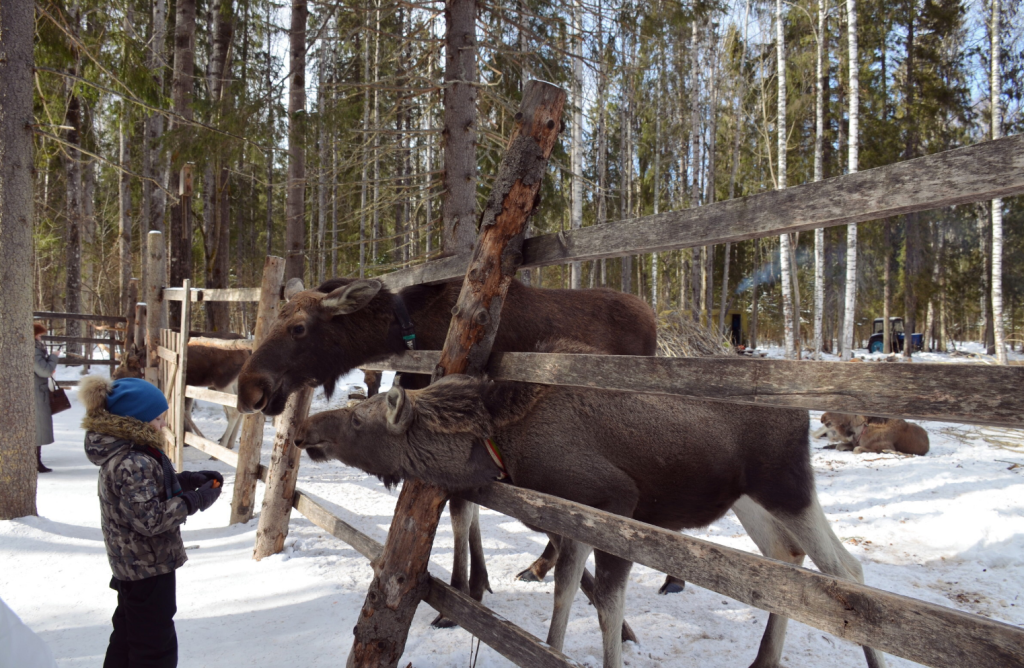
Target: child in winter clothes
{"type": "Point", "coordinates": [142, 504]}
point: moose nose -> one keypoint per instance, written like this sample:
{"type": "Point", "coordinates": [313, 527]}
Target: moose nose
{"type": "Point", "coordinates": [253, 394]}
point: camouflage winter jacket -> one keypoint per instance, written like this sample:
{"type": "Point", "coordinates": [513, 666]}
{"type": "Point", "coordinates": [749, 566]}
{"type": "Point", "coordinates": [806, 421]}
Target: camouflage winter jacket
{"type": "Point", "coordinates": [139, 516]}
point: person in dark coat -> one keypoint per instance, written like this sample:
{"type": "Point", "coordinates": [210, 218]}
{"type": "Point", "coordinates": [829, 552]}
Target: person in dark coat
{"type": "Point", "coordinates": [43, 365]}
{"type": "Point", "coordinates": [142, 505]}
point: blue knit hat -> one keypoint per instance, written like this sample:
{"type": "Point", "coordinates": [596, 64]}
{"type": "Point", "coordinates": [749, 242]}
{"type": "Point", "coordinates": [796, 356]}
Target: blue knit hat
{"type": "Point", "coordinates": [136, 398]}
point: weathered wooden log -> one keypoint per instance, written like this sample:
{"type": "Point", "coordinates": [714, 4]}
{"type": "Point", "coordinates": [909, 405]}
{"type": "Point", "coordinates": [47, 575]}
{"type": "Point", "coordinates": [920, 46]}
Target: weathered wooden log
{"type": "Point", "coordinates": [213, 396]}
{"type": "Point", "coordinates": [214, 294]}
{"type": "Point", "coordinates": [970, 174]}
{"type": "Point", "coordinates": [133, 300]}
{"type": "Point", "coordinates": [223, 344]}
{"type": "Point", "coordinates": [924, 632]}
{"type": "Point", "coordinates": [57, 315]}
{"type": "Point", "coordinates": [156, 309]}
{"type": "Point", "coordinates": [968, 393]}
{"type": "Point", "coordinates": [284, 471]}
{"type": "Point", "coordinates": [243, 502]}
{"type": "Point", "coordinates": [179, 389]}
{"type": "Point", "coordinates": [140, 326]}
{"type": "Point", "coordinates": [401, 582]}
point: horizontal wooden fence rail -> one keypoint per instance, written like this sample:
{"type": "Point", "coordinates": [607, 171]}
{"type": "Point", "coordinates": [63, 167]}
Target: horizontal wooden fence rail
{"type": "Point", "coordinates": [213, 396]}
{"type": "Point", "coordinates": [970, 174]}
{"type": "Point", "coordinates": [56, 315]}
{"type": "Point", "coordinates": [924, 632]}
{"type": "Point", "coordinates": [75, 361]}
{"type": "Point", "coordinates": [966, 393]}
{"type": "Point", "coordinates": [83, 339]}
{"type": "Point", "coordinates": [214, 294]}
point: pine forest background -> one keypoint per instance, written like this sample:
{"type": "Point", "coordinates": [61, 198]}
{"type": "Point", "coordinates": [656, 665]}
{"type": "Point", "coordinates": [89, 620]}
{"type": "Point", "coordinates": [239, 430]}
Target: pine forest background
{"type": "Point", "coordinates": [341, 167]}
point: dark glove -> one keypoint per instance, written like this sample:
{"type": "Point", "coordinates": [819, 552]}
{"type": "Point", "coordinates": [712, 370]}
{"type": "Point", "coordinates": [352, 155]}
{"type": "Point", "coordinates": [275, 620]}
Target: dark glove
{"type": "Point", "coordinates": [202, 498]}
{"type": "Point", "coordinates": [192, 480]}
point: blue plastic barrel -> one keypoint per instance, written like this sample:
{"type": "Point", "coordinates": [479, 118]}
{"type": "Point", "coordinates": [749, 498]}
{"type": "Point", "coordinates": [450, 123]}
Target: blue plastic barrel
{"type": "Point", "coordinates": [917, 340]}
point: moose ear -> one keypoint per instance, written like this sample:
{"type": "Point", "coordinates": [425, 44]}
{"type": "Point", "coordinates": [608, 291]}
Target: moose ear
{"type": "Point", "coordinates": [350, 298]}
{"type": "Point", "coordinates": [399, 411]}
{"type": "Point", "coordinates": [292, 288]}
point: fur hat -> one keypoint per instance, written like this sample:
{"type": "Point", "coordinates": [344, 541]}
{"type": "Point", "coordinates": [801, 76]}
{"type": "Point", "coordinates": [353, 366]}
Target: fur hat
{"type": "Point", "coordinates": [129, 397]}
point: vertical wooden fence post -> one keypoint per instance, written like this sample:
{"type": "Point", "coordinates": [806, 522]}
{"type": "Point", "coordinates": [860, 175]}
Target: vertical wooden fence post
{"type": "Point", "coordinates": [138, 335]}
{"type": "Point", "coordinates": [156, 272]}
{"type": "Point", "coordinates": [401, 578]}
{"type": "Point", "coordinates": [284, 470]}
{"type": "Point", "coordinates": [179, 383]}
{"type": "Point", "coordinates": [251, 442]}
{"type": "Point", "coordinates": [130, 315]}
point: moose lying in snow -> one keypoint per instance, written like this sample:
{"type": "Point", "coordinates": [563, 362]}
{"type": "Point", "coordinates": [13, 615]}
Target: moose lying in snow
{"type": "Point", "coordinates": [866, 433]}
{"type": "Point", "coordinates": [669, 461]}
{"type": "Point", "coordinates": [323, 334]}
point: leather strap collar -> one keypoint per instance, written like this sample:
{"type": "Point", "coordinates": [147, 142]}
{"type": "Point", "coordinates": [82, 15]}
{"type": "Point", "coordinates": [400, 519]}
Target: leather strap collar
{"type": "Point", "coordinates": [495, 452]}
{"type": "Point", "coordinates": [405, 326]}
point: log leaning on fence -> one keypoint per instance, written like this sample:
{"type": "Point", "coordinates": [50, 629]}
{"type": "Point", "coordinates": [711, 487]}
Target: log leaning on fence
{"type": "Point", "coordinates": [971, 174]}
{"type": "Point", "coordinates": [973, 394]}
{"type": "Point", "coordinates": [919, 631]}
{"type": "Point", "coordinates": [251, 442]}
{"type": "Point", "coordinates": [383, 625]}
{"type": "Point", "coordinates": [156, 310]}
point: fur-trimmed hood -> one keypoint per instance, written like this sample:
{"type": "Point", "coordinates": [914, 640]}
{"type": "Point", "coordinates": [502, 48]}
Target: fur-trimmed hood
{"type": "Point", "coordinates": [107, 435]}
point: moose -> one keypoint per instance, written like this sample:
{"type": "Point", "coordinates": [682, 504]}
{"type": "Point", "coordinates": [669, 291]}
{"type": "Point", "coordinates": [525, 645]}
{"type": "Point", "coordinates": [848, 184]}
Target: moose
{"type": "Point", "coordinates": [867, 433]}
{"type": "Point", "coordinates": [670, 461]}
{"type": "Point", "coordinates": [323, 334]}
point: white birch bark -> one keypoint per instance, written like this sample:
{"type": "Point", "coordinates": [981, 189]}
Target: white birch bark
{"type": "Point", "coordinates": [366, 161]}
{"type": "Point", "coordinates": [657, 193]}
{"type": "Point", "coordinates": [853, 143]}
{"type": "Point", "coordinates": [997, 204]}
{"type": "Point", "coordinates": [819, 134]}
{"type": "Point", "coordinates": [780, 127]}
{"type": "Point", "coordinates": [576, 217]}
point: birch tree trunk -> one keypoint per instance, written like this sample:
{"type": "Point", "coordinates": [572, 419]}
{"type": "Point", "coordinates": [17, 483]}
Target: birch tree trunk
{"type": "Point", "coordinates": [576, 219]}
{"type": "Point", "coordinates": [696, 283]}
{"type": "Point", "coordinates": [887, 290]}
{"type": "Point", "coordinates": [124, 219]}
{"type": "Point", "coordinates": [656, 187]}
{"type": "Point", "coordinates": [295, 203]}
{"type": "Point", "coordinates": [219, 235]}
{"type": "Point", "coordinates": [182, 88]}
{"type": "Point", "coordinates": [819, 171]}
{"type": "Point", "coordinates": [75, 217]}
{"type": "Point", "coordinates": [154, 198]}
{"type": "Point", "coordinates": [784, 241]}
{"type": "Point", "coordinates": [366, 155]}
{"type": "Point", "coordinates": [322, 187]}
{"type": "Point", "coordinates": [460, 127]}
{"type": "Point", "coordinates": [17, 465]}
{"type": "Point", "coordinates": [997, 204]}
{"type": "Point", "coordinates": [853, 144]}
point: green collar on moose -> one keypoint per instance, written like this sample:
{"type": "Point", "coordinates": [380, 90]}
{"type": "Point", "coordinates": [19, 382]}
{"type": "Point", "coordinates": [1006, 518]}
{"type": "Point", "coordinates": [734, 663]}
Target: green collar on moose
{"type": "Point", "coordinates": [495, 452]}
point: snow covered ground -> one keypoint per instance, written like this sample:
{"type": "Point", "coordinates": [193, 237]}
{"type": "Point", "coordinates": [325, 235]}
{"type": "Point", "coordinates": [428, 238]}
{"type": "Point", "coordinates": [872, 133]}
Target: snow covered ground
{"type": "Point", "coordinates": [946, 528]}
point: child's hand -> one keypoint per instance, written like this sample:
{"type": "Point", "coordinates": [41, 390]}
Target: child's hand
{"type": "Point", "coordinates": [202, 498]}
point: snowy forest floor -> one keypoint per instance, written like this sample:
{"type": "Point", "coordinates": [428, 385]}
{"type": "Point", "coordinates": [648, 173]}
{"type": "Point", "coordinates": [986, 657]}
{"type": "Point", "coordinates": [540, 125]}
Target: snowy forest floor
{"type": "Point", "coordinates": [947, 528]}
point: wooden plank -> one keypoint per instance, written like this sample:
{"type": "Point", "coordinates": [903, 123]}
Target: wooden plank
{"type": "Point", "coordinates": [212, 448]}
{"type": "Point", "coordinates": [284, 471]}
{"type": "Point", "coordinates": [82, 339]}
{"type": "Point", "coordinates": [243, 500]}
{"type": "Point", "coordinates": [383, 625]}
{"type": "Point", "coordinates": [56, 315]}
{"type": "Point", "coordinates": [214, 294]}
{"type": "Point", "coordinates": [223, 344]}
{"type": "Point", "coordinates": [510, 641]}
{"type": "Point", "coordinates": [930, 634]}
{"type": "Point", "coordinates": [974, 173]}
{"type": "Point", "coordinates": [213, 396]}
{"type": "Point", "coordinates": [75, 361]}
{"type": "Point", "coordinates": [165, 353]}
{"type": "Point", "coordinates": [967, 393]}
{"type": "Point", "coordinates": [179, 392]}
{"type": "Point", "coordinates": [312, 508]}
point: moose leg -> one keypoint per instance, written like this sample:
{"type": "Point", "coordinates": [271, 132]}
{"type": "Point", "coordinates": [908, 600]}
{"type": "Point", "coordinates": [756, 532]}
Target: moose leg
{"type": "Point", "coordinates": [572, 557]}
{"type": "Point", "coordinates": [588, 586]}
{"type": "Point", "coordinates": [464, 516]}
{"type": "Point", "coordinates": [189, 424]}
{"type": "Point", "coordinates": [610, 599]}
{"type": "Point", "coordinates": [478, 581]}
{"type": "Point", "coordinates": [815, 536]}
{"type": "Point", "coordinates": [672, 585]}
{"type": "Point", "coordinates": [227, 440]}
{"type": "Point", "coordinates": [775, 541]}
{"type": "Point", "coordinates": [539, 568]}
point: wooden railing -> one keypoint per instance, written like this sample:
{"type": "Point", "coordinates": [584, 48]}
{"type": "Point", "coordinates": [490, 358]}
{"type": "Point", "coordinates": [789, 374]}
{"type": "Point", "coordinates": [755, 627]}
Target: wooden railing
{"type": "Point", "coordinates": [987, 395]}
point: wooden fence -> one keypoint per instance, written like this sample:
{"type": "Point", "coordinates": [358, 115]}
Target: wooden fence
{"type": "Point", "coordinates": [111, 340]}
{"type": "Point", "coordinates": [987, 395]}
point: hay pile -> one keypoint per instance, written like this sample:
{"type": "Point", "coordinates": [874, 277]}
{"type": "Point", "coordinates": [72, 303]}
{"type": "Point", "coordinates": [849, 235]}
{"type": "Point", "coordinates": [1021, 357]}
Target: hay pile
{"type": "Point", "coordinates": [680, 336]}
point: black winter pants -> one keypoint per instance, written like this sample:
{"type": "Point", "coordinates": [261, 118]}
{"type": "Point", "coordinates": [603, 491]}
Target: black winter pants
{"type": "Point", "coordinates": [143, 634]}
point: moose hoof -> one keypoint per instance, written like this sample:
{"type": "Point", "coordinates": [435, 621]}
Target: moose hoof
{"type": "Point", "coordinates": [442, 622]}
{"type": "Point", "coordinates": [627, 633]}
{"type": "Point", "coordinates": [671, 586]}
{"type": "Point", "coordinates": [528, 576]}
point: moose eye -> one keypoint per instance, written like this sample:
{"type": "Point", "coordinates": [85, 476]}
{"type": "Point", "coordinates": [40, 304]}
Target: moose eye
{"type": "Point", "coordinates": [356, 422]}
{"type": "Point", "coordinates": [298, 330]}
